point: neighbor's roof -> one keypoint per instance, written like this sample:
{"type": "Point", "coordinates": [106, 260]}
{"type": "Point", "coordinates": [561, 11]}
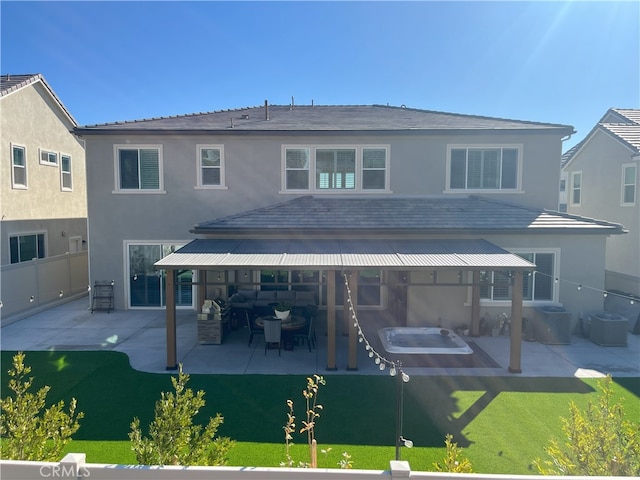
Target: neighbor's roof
{"type": "Point", "coordinates": [621, 123]}
{"type": "Point", "coordinates": [319, 253]}
{"type": "Point", "coordinates": [402, 215]}
{"type": "Point", "coordinates": [12, 83]}
{"type": "Point", "coordinates": [321, 118]}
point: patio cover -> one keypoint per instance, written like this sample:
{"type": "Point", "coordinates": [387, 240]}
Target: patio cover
{"type": "Point", "coordinates": [463, 254]}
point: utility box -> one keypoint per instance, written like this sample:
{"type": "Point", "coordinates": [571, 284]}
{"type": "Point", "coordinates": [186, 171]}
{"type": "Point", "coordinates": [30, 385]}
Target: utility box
{"type": "Point", "coordinates": [552, 325]}
{"type": "Point", "coordinates": [608, 329]}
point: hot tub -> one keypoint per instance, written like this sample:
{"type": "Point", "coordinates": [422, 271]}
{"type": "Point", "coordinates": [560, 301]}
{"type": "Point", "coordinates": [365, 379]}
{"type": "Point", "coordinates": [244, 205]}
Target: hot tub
{"type": "Point", "coordinates": [422, 340]}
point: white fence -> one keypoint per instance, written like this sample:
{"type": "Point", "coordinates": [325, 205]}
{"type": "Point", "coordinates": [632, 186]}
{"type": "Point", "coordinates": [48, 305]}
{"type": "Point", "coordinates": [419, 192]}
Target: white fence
{"type": "Point", "coordinates": [73, 466]}
{"type": "Point", "coordinates": [29, 287]}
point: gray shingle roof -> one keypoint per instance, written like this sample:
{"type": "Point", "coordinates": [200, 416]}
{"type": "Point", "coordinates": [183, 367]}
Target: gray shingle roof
{"type": "Point", "coordinates": [400, 215]}
{"type": "Point", "coordinates": [622, 123]}
{"type": "Point", "coordinates": [10, 83]}
{"type": "Point", "coordinates": [319, 118]}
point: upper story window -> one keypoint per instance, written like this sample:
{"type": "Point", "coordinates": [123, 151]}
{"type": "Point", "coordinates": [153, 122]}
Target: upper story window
{"type": "Point", "coordinates": [18, 167]}
{"type": "Point", "coordinates": [48, 158]}
{"type": "Point", "coordinates": [484, 167]}
{"type": "Point", "coordinates": [629, 182]}
{"type": "Point", "coordinates": [576, 188]}
{"type": "Point", "coordinates": [26, 247]}
{"type": "Point", "coordinates": [139, 168]}
{"type": "Point", "coordinates": [563, 185]}
{"type": "Point", "coordinates": [65, 173]}
{"type": "Point", "coordinates": [210, 166]}
{"type": "Point", "coordinates": [343, 168]}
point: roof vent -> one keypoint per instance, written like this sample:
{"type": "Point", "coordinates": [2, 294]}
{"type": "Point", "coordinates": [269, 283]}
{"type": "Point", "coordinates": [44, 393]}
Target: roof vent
{"type": "Point", "coordinates": [266, 110]}
{"type": "Point", "coordinates": [245, 115]}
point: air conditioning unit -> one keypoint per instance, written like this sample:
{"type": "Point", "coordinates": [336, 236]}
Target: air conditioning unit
{"type": "Point", "coordinates": [552, 325]}
{"type": "Point", "coordinates": [608, 329]}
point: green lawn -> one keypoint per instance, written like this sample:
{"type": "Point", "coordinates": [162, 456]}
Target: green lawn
{"type": "Point", "coordinates": [502, 423]}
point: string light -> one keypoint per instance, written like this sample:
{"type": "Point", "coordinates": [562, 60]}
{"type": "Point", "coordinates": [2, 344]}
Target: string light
{"type": "Point", "coordinates": [381, 361]}
{"type": "Point", "coordinates": [580, 286]}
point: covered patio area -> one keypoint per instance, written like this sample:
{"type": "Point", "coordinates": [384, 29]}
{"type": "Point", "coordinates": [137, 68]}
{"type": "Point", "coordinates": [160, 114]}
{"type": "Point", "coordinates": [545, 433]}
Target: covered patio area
{"type": "Point", "coordinates": [340, 261]}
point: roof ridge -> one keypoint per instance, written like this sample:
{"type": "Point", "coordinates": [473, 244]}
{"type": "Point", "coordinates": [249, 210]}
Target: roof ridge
{"type": "Point", "coordinates": [30, 78]}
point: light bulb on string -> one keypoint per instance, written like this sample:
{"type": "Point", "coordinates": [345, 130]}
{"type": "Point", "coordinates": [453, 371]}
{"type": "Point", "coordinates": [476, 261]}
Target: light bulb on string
{"type": "Point", "coordinates": [370, 353]}
{"type": "Point", "coordinates": [579, 287]}
{"type": "Point", "coordinates": [392, 370]}
{"type": "Point", "coordinates": [405, 377]}
{"type": "Point", "coordinates": [377, 360]}
{"type": "Point", "coordinates": [382, 366]}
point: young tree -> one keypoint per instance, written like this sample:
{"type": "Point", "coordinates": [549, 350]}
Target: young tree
{"type": "Point", "coordinates": [173, 437]}
{"type": "Point", "coordinates": [453, 462]}
{"type": "Point", "coordinates": [29, 431]}
{"type": "Point", "coordinates": [599, 441]}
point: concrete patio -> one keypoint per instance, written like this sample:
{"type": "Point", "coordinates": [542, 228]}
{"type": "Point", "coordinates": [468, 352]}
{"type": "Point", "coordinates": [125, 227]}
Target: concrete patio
{"type": "Point", "coordinates": [141, 335]}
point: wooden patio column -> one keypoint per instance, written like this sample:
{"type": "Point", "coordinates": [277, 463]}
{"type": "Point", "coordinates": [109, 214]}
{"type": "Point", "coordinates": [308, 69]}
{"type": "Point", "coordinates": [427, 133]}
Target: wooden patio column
{"type": "Point", "coordinates": [202, 289]}
{"type": "Point", "coordinates": [475, 304]}
{"type": "Point", "coordinates": [515, 351]}
{"type": "Point", "coordinates": [331, 320]}
{"type": "Point", "coordinates": [170, 289]}
{"type": "Point", "coordinates": [348, 316]}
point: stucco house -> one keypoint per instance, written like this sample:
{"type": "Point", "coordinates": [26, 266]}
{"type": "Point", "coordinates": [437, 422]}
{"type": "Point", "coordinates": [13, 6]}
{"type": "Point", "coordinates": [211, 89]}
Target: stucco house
{"type": "Point", "coordinates": [444, 219]}
{"type": "Point", "coordinates": [43, 196]}
{"type": "Point", "coordinates": [603, 175]}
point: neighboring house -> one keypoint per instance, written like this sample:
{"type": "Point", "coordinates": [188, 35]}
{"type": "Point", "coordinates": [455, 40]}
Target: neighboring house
{"type": "Point", "coordinates": [603, 177]}
{"type": "Point", "coordinates": [441, 218]}
{"type": "Point", "coordinates": [43, 197]}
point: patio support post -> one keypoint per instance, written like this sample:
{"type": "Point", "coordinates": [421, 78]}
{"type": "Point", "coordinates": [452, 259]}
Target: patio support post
{"type": "Point", "coordinates": [331, 320]}
{"type": "Point", "coordinates": [202, 288]}
{"type": "Point", "coordinates": [170, 289]}
{"type": "Point", "coordinates": [475, 304]}
{"type": "Point", "coordinates": [348, 315]}
{"type": "Point", "coordinates": [515, 350]}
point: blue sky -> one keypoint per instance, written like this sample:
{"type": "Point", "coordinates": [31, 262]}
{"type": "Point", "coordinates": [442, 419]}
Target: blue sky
{"type": "Point", "coordinates": [557, 62]}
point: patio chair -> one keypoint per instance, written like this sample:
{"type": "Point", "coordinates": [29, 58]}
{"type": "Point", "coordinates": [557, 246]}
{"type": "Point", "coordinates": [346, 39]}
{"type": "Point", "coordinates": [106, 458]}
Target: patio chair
{"type": "Point", "coordinates": [307, 334]}
{"type": "Point", "coordinates": [272, 334]}
{"type": "Point", "coordinates": [252, 328]}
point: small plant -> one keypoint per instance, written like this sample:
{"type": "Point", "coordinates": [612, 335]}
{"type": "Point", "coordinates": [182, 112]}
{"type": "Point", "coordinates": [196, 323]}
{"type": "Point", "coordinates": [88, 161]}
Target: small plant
{"type": "Point", "coordinates": [29, 432]}
{"type": "Point", "coordinates": [312, 413]}
{"type": "Point", "coordinates": [283, 307]}
{"type": "Point", "coordinates": [173, 438]}
{"type": "Point", "coordinates": [453, 462]}
{"type": "Point", "coordinates": [600, 441]}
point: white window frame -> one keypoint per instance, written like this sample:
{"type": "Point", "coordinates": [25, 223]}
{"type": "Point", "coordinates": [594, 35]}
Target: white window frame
{"type": "Point", "coordinates": [625, 166]}
{"type": "Point", "coordinates": [14, 184]}
{"type": "Point", "coordinates": [127, 273]}
{"type": "Point", "coordinates": [556, 274]}
{"type": "Point", "coordinates": [67, 173]}
{"type": "Point", "coordinates": [359, 169]}
{"type": "Point", "coordinates": [199, 167]}
{"type": "Point", "coordinates": [116, 166]}
{"type": "Point", "coordinates": [51, 157]}
{"type": "Point", "coordinates": [502, 146]}
{"type": "Point", "coordinates": [573, 188]}
{"type": "Point", "coordinates": [29, 234]}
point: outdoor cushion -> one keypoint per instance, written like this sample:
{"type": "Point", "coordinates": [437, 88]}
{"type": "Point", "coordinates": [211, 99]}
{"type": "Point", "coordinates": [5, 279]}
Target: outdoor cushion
{"type": "Point", "coordinates": [286, 296]}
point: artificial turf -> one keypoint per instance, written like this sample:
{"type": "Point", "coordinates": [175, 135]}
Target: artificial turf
{"type": "Point", "coordinates": [502, 423]}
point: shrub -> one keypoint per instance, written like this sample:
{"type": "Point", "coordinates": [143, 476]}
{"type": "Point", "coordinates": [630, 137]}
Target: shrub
{"type": "Point", "coordinates": [599, 441]}
{"type": "Point", "coordinates": [29, 431]}
{"type": "Point", "coordinates": [453, 462]}
{"type": "Point", "coordinates": [173, 437]}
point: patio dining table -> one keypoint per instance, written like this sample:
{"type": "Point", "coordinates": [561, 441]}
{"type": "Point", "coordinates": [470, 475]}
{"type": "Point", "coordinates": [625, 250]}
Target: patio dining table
{"type": "Point", "coordinates": [289, 324]}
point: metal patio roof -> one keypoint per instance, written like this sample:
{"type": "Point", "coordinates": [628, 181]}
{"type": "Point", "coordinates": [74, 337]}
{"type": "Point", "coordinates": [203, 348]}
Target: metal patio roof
{"type": "Point", "coordinates": [338, 254]}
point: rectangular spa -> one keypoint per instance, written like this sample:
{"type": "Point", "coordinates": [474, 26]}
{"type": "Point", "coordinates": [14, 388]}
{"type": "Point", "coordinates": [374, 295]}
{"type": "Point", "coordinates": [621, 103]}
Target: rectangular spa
{"type": "Point", "coordinates": [423, 341]}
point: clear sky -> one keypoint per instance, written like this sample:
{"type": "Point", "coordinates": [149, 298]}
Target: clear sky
{"type": "Point", "coordinates": [557, 62]}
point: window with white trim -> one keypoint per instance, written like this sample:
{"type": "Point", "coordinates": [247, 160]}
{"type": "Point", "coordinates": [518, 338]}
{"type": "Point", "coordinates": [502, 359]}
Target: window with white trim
{"type": "Point", "coordinates": [24, 248]}
{"type": "Point", "coordinates": [629, 182]}
{"type": "Point", "coordinates": [48, 157]}
{"type": "Point", "coordinates": [210, 166]}
{"type": "Point", "coordinates": [343, 168]}
{"type": "Point", "coordinates": [139, 168]}
{"type": "Point", "coordinates": [18, 167]}
{"type": "Point", "coordinates": [65, 173]}
{"type": "Point", "coordinates": [484, 167]}
{"type": "Point", "coordinates": [537, 286]}
{"type": "Point", "coordinates": [576, 188]}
